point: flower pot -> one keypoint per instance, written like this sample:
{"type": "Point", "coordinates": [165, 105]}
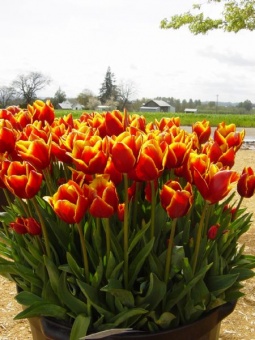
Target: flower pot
{"type": "Point", "coordinates": [206, 328]}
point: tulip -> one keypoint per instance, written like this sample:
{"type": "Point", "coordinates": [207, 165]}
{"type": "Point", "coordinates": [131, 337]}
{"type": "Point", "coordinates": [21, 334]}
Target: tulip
{"type": "Point", "coordinates": [42, 111]}
{"type": "Point", "coordinates": [125, 151]}
{"type": "Point", "coordinates": [214, 184]}
{"type": "Point", "coordinates": [175, 200]}
{"type": "Point", "coordinates": [21, 178]}
{"type": "Point", "coordinates": [88, 157]}
{"type": "Point", "coordinates": [149, 164]}
{"type": "Point", "coordinates": [213, 231]}
{"type": "Point", "coordinates": [114, 123]}
{"type": "Point", "coordinates": [175, 154]}
{"type": "Point", "coordinates": [246, 183]}
{"type": "Point", "coordinates": [7, 136]}
{"type": "Point", "coordinates": [220, 154]}
{"type": "Point", "coordinates": [36, 152]}
{"type": "Point", "coordinates": [227, 134]}
{"type": "Point", "coordinates": [203, 130]}
{"type": "Point", "coordinates": [69, 202]}
{"type": "Point", "coordinates": [103, 197]}
{"type": "Point", "coordinates": [28, 225]}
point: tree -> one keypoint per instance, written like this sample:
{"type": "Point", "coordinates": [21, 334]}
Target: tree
{"type": "Point", "coordinates": [126, 89]}
{"type": "Point", "coordinates": [236, 15]}
{"type": "Point", "coordinates": [84, 97]}
{"type": "Point", "coordinates": [59, 97]}
{"type": "Point", "coordinates": [7, 93]}
{"type": "Point", "coordinates": [27, 85]}
{"type": "Point", "coordinates": [247, 105]}
{"type": "Point", "coordinates": [108, 89]}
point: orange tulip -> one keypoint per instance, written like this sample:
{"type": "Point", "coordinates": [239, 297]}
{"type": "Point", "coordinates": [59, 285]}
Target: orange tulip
{"type": "Point", "coordinates": [103, 197]}
{"type": "Point", "coordinates": [227, 134]}
{"type": "Point", "coordinates": [21, 178]}
{"type": "Point", "coordinates": [175, 154]}
{"type": "Point", "coordinates": [114, 122]}
{"type": "Point", "coordinates": [42, 111]}
{"type": "Point", "coordinates": [149, 164]}
{"type": "Point", "coordinates": [36, 152]}
{"type": "Point", "coordinates": [214, 184]}
{"type": "Point", "coordinates": [175, 200]}
{"type": "Point", "coordinates": [220, 154]}
{"type": "Point", "coordinates": [70, 202]}
{"type": "Point", "coordinates": [246, 183]}
{"type": "Point", "coordinates": [203, 130]}
{"type": "Point", "coordinates": [88, 156]}
{"type": "Point", "coordinates": [7, 136]}
{"type": "Point", "coordinates": [125, 151]}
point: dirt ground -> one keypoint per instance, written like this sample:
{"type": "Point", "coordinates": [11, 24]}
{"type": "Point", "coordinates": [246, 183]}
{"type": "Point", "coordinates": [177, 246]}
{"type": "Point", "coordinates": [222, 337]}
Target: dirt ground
{"type": "Point", "coordinates": [239, 325]}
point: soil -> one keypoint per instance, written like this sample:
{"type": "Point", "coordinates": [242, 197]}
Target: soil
{"type": "Point", "coordinates": [239, 325]}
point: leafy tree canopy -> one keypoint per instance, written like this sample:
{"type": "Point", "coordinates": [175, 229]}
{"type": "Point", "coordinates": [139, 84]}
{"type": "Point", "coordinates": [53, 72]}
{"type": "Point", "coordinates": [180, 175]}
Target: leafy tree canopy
{"type": "Point", "coordinates": [234, 16]}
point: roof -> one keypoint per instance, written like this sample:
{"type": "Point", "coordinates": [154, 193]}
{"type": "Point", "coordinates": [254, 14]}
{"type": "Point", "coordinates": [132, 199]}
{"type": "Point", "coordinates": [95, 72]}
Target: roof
{"type": "Point", "coordinates": [160, 102]}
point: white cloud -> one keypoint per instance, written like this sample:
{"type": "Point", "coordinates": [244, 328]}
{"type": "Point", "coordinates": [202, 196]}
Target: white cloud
{"type": "Point", "coordinates": [74, 41]}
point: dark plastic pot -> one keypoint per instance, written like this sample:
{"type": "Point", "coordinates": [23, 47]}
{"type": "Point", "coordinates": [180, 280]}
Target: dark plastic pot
{"type": "Point", "coordinates": [206, 328]}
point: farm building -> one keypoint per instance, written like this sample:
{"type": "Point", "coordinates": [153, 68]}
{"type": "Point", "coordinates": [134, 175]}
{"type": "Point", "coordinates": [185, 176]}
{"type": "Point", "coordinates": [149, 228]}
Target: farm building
{"type": "Point", "coordinates": [67, 105]}
{"type": "Point", "coordinates": [190, 110]}
{"type": "Point", "coordinates": [157, 106]}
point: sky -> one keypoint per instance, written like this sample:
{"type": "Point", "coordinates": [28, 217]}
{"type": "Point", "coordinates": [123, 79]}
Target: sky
{"type": "Point", "coordinates": [73, 42]}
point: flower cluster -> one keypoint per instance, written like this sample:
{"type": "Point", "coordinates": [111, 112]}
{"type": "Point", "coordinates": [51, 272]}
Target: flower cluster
{"type": "Point", "coordinates": [114, 222]}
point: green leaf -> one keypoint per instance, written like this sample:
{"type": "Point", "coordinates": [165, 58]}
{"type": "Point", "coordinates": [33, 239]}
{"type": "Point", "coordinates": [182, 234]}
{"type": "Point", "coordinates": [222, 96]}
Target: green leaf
{"type": "Point", "coordinates": [42, 308]}
{"type": "Point", "coordinates": [125, 296]}
{"type": "Point", "coordinates": [218, 284]}
{"type": "Point", "coordinates": [137, 238]}
{"type": "Point", "coordinates": [165, 320]}
{"type": "Point", "coordinates": [74, 303]}
{"type": "Point", "coordinates": [155, 293]}
{"type": "Point", "coordinates": [53, 273]}
{"type": "Point", "coordinates": [27, 298]}
{"type": "Point", "coordinates": [92, 294]}
{"type": "Point", "coordinates": [80, 327]}
{"type": "Point", "coordinates": [123, 317]}
{"type": "Point", "coordinates": [138, 262]}
{"type": "Point", "coordinates": [76, 270]}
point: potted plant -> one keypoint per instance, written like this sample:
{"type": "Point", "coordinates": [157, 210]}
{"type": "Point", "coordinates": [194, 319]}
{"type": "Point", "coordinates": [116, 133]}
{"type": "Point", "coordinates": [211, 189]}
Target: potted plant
{"type": "Point", "coordinates": [113, 224]}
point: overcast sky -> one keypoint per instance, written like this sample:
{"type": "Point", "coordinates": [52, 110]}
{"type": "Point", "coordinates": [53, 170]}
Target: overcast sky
{"type": "Point", "coordinates": [74, 41]}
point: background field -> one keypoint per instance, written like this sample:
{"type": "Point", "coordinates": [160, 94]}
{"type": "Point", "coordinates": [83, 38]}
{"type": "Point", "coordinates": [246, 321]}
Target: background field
{"type": "Point", "coordinates": [240, 120]}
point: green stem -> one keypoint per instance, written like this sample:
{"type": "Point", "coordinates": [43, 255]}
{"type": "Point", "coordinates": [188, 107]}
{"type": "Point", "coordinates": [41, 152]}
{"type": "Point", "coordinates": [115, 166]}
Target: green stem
{"type": "Point", "coordinates": [24, 206]}
{"type": "Point", "coordinates": [126, 231]}
{"type": "Point", "coordinates": [135, 205]}
{"type": "Point", "coordinates": [169, 250]}
{"type": "Point", "coordinates": [108, 238]}
{"type": "Point", "coordinates": [198, 237]}
{"type": "Point", "coordinates": [43, 226]}
{"type": "Point", "coordinates": [153, 205]}
{"type": "Point", "coordinates": [7, 196]}
{"type": "Point", "coordinates": [48, 181]}
{"type": "Point", "coordinates": [84, 252]}
{"type": "Point", "coordinates": [237, 207]}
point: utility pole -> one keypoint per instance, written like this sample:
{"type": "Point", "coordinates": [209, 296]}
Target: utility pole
{"type": "Point", "coordinates": [217, 102]}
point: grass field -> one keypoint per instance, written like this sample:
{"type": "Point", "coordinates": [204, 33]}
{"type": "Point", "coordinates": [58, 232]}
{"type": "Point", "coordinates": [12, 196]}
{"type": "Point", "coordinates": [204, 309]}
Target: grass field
{"type": "Point", "coordinates": [240, 120]}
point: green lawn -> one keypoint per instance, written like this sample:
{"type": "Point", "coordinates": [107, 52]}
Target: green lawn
{"type": "Point", "coordinates": [240, 120]}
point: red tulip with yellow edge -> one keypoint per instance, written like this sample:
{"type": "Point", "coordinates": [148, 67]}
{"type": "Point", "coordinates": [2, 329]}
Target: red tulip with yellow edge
{"type": "Point", "coordinates": [43, 111]}
{"type": "Point", "coordinates": [175, 199]}
{"type": "Point", "coordinates": [125, 151]}
{"type": "Point", "coordinates": [70, 202]}
{"type": "Point", "coordinates": [103, 197]}
{"type": "Point", "coordinates": [7, 136]}
{"type": "Point", "coordinates": [149, 164]}
{"type": "Point", "coordinates": [89, 157]}
{"type": "Point", "coordinates": [214, 184]}
{"type": "Point", "coordinates": [37, 152]}
{"type": "Point", "coordinates": [21, 178]}
{"type": "Point", "coordinates": [246, 183]}
{"type": "Point", "coordinates": [203, 130]}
